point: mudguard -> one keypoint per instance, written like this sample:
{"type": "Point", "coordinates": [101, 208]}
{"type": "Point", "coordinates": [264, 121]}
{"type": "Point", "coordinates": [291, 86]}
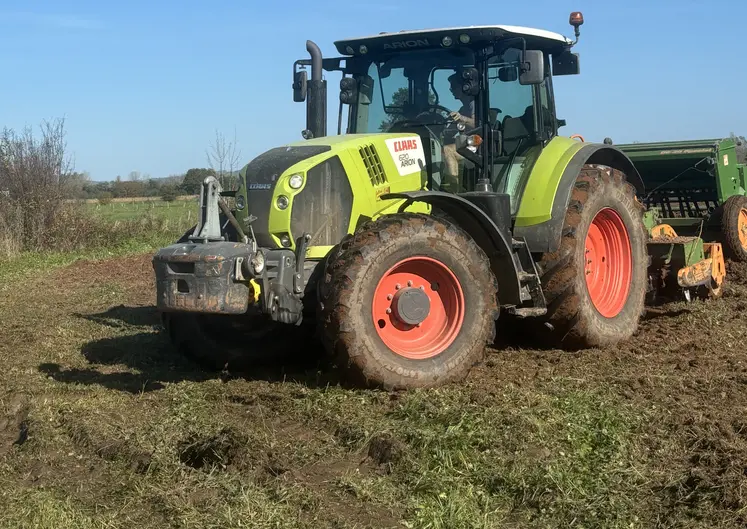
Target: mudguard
{"type": "Point", "coordinates": [495, 240]}
{"type": "Point", "coordinates": [540, 218]}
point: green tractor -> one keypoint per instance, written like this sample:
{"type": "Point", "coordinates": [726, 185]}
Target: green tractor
{"type": "Point", "coordinates": [449, 200]}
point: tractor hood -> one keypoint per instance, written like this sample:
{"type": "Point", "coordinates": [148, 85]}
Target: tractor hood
{"type": "Point", "coordinates": [316, 186]}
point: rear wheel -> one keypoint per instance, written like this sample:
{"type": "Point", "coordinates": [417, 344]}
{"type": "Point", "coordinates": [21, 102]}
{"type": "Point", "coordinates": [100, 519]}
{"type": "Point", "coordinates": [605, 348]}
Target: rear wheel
{"type": "Point", "coordinates": [734, 227]}
{"type": "Point", "coordinates": [595, 284]}
{"type": "Point", "coordinates": [408, 301]}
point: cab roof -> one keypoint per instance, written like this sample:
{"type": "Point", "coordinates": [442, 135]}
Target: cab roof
{"type": "Point", "coordinates": [434, 38]}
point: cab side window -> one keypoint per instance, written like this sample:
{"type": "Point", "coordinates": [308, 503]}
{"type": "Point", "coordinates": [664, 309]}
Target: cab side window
{"type": "Point", "coordinates": [547, 122]}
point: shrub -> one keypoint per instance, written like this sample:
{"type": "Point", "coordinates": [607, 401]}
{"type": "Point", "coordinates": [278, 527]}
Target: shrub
{"type": "Point", "coordinates": [168, 193]}
{"type": "Point", "coordinates": [105, 198]}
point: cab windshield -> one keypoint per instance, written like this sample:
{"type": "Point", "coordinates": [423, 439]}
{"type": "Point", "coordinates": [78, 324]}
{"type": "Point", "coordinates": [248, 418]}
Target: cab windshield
{"type": "Point", "coordinates": [422, 92]}
{"type": "Point", "coordinates": [412, 89]}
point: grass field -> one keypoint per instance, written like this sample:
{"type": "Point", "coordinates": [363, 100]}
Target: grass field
{"type": "Point", "coordinates": [103, 425]}
{"type": "Point", "coordinates": [181, 211]}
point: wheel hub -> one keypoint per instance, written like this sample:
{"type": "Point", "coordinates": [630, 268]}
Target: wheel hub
{"type": "Point", "coordinates": [418, 308]}
{"type": "Point", "coordinates": [742, 227]}
{"type": "Point", "coordinates": [608, 263]}
{"type": "Point", "coordinates": [411, 306]}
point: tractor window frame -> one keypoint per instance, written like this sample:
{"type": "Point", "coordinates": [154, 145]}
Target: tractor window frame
{"type": "Point", "coordinates": [546, 120]}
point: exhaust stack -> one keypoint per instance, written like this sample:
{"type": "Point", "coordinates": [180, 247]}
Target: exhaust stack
{"type": "Point", "coordinates": [316, 107]}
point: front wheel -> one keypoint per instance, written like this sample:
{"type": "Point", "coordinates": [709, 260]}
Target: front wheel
{"type": "Point", "coordinates": [595, 284]}
{"type": "Point", "coordinates": [408, 301]}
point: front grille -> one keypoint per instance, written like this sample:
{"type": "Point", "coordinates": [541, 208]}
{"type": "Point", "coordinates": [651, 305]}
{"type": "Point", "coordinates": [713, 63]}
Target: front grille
{"type": "Point", "coordinates": [373, 165]}
{"type": "Point", "coordinates": [262, 174]}
{"type": "Point", "coordinates": [324, 206]}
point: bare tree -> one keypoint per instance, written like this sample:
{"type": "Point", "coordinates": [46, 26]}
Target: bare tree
{"type": "Point", "coordinates": [34, 175]}
{"type": "Point", "coordinates": [224, 158]}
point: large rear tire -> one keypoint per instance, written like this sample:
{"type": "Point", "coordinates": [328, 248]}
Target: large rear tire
{"type": "Point", "coordinates": [595, 284]}
{"type": "Point", "coordinates": [734, 227]}
{"type": "Point", "coordinates": [408, 301]}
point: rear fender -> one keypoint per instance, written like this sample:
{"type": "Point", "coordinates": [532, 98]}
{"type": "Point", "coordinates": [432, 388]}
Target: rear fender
{"type": "Point", "coordinates": [494, 240]}
{"type": "Point", "coordinates": [541, 215]}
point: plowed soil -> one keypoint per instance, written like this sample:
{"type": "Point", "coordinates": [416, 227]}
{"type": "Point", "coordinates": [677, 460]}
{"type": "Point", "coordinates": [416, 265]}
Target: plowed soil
{"type": "Point", "coordinates": [102, 424]}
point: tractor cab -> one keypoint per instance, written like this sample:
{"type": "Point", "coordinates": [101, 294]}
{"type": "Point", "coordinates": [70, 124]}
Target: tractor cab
{"type": "Point", "coordinates": [480, 98]}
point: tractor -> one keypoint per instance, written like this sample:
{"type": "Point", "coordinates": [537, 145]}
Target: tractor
{"type": "Point", "coordinates": [449, 200]}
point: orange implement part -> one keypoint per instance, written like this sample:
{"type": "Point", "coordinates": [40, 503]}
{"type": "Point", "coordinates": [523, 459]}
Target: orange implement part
{"type": "Point", "coordinates": [718, 269]}
{"type": "Point", "coordinates": [695, 275]}
{"type": "Point", "coordinates": [663, 231]}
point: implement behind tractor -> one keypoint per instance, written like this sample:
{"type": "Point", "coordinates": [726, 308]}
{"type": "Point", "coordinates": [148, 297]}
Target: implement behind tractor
{"type": "Point", "coordinates": [450, 199]}
{"type": "Point", "coordinates": [697, 187]}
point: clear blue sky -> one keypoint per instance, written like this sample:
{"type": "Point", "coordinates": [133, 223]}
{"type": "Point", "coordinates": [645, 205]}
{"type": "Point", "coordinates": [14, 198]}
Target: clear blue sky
{"type": "Point", "coordinates": [143, 86]}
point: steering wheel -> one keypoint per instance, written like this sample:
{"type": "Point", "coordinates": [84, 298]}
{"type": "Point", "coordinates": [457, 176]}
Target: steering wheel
{"type": "Point", "coordinates": [442, 120]}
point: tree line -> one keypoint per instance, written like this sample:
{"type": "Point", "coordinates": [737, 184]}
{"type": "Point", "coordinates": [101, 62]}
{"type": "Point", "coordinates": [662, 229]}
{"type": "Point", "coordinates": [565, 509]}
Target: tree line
{"type": "Point", "coordinates": [135, 185]}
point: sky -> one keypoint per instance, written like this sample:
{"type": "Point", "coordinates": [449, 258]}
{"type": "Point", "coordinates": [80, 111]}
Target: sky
{"type": "Point", "coordinates": [145, 86]}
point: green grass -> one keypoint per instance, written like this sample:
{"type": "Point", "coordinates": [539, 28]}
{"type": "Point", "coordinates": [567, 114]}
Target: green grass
{"type": "Point", "coordinates": [29, 263]}
{"type": "Point", "coordinates": [183, 211]}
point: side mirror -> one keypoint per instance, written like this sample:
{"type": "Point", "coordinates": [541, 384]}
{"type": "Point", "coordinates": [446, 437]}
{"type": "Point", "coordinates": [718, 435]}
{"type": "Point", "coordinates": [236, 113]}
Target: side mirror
{"type": "Point", "coordinates": [348, 91]}
{"type": "Point", "coordinates": [565, 63]}
{"type": "Point", "coordinates": [508, 74]}
{"type": "Point", "coordinates": [300, 82]}
{"type": "Point", "coordinates": [533, 68]}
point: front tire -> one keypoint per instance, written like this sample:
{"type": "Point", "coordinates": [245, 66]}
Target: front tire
{"type": "Point", "coordinates": [595, 284]}
{"type": "Point", "coordinates": [408, 301]}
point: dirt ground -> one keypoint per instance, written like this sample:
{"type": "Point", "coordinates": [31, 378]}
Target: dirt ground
{"type": "Point", "coordinates": [102, 424]}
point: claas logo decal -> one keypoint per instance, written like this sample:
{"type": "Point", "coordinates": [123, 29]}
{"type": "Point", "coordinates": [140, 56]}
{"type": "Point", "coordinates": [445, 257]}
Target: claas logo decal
{"type": "Point", "coordinates": [405, 145]}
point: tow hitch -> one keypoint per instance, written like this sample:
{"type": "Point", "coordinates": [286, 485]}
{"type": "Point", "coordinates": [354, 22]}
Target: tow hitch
{"type": "Point", "coordinates": [208, 273]}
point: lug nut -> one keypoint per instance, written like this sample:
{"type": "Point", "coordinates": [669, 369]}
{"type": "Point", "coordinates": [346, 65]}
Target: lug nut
{"type": "Point", "coordinates": [397, 286]}
{"type": "Point", "coordinates": [388, 311]}
{"type": "Point", "coordinates": [389, 297]}
{"type": "Point", "coordinates": [409, 283]}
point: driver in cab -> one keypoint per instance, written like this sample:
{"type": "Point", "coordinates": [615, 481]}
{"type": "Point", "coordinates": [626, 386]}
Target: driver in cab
{"type": "Point", "coordinates": [465, 115]}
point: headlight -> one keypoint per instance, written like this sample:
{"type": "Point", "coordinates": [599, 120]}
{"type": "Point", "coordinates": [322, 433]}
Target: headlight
{"type": "Point", "coordinates": [282, 202]}
{"type": "Point", "coordinates": [240, 202]}
{"type": "Point", "coordinates": [296, 181]}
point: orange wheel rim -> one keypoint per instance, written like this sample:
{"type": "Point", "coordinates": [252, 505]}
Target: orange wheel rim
{"type": "Point", "coordinates": [608, 263]}
{"type": "Point", "coordinates": [418, 308]}
{"type": "Point", "coordinates": [742, 227]}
